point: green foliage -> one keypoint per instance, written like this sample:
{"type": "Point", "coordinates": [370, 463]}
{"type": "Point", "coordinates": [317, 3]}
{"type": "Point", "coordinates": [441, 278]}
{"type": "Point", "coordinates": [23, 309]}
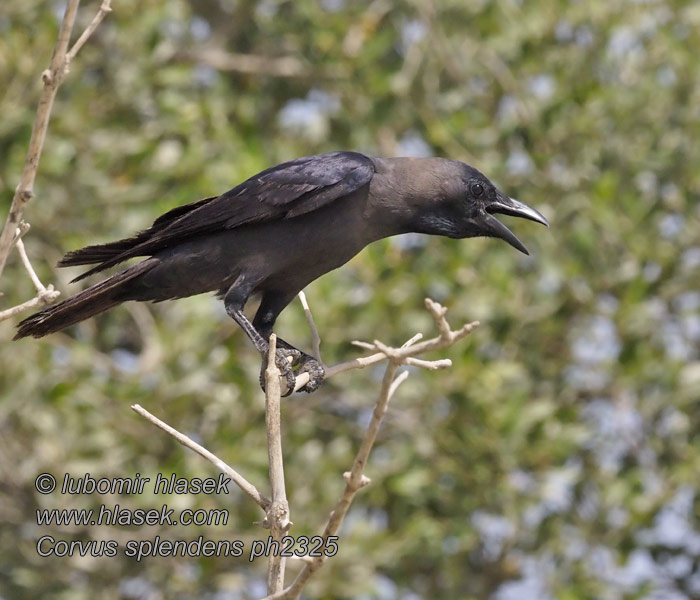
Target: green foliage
{"type": "Point", "coordinates": [553, 456]}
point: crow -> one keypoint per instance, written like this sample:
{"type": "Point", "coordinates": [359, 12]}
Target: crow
{"type": "Point", "coordinates": [280, 230]}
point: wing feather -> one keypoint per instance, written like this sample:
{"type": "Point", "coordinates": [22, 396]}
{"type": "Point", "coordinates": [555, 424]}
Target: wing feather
{"type": "Point", "coordinates": [284, 191]}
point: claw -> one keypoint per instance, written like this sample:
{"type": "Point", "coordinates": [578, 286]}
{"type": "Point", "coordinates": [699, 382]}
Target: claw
{"type": "Point", "coordinates": [316, 372]}
{"type": "Point", "coordinates": [284, 365]}
{"type": "Point", "coordinates": [301, 363]}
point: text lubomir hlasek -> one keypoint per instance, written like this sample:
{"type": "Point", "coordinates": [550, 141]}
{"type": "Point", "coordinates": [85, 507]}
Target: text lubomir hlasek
{"type": "Point", "coordinates": [135, 485]}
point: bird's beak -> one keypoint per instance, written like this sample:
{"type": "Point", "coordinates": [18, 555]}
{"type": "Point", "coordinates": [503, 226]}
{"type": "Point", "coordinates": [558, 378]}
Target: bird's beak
{"type": "Point", "coordinates": [509, 206]}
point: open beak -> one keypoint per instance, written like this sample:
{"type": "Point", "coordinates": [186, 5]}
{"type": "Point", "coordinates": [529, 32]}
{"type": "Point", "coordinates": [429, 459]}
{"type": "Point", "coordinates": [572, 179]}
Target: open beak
{"type": "Point", "coordinates": [509, 206]}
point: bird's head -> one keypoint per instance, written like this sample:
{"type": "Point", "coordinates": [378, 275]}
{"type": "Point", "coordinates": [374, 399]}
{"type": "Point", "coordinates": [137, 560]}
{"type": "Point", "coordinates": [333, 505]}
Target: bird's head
{"type": "Point", "coordinates": [483, 200]}
{"type": "Point", "coordinates": [467, 205]}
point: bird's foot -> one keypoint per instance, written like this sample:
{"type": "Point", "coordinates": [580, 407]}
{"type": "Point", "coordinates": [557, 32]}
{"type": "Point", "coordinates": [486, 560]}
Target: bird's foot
{"type": "Point", "coordinates": [285, 366]}
{"type": "Point", "coordinates": [291, 369]}
{"type": "Point", "coordinates": [308, 364]}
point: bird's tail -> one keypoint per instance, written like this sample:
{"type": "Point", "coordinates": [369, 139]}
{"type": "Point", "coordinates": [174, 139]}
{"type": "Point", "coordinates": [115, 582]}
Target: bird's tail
{"type": "Point", "coordinates": [107, 255]}
{"type": "Point", "coordinates": [143, 243]}
{"type": "Point", "coordinates": [89, 302]}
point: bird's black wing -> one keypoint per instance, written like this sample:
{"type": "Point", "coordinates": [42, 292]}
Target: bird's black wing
{"type": "Point", "coordinates": [287, 190]}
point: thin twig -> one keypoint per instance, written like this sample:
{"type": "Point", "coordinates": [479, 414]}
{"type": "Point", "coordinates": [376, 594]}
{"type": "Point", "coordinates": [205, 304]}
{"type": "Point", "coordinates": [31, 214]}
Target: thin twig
{"type": "Point", "coordinates": [446, 338]}
{"type": "Point", "coordinates": [27, 265]}
{"type": "Point", "coordinates": [235, 476]}
{"type": "Point", "coordinates": [151, 349]}
{"type": "Point", "coordinates": [277, 516]}
{"type": "Point", "coordinates": [355, 480]}
{"type": "Point", "coordinates": [407, 352]}
{"type": "Point", "coordinates": [20, 308]}
{"type": "Point", "coordinates": [409, 342]}
{"type": "Point", "coordinates": [277, 509]}
{"type": "Point", "coordinates": [52, 78]}
{"type": "Point", "coordinates": [89, 30]}
{"type": "Point", "coordinates": [363, 345]}
{"type": "Point", "coordinates": [44, 295]}
{"type": "Point", "coordinates": [21, 230]}
{"type": "Point", "coordinates": [315, 338]}
{"type": "Point", "coordinates": [397, 382]}
{"type": "Point", "coordinates": [430, 365]}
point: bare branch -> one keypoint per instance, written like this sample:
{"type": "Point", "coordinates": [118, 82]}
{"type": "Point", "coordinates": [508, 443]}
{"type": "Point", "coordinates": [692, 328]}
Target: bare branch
{"type": "Point", "coordinates": [44, 295]}
{"type": "Point", "coordinates": [277, 509]}
{"type": "Point", "coordinates": [89, 30]}
{"type": "Point", "coordinates": [277, 516]}
{"type": "Point", "coordinates": [409, 342]}
{"type": "Point", "coordinates": [47, 298]}
{"type": "Point", "coordinates": [151, 348]}
{"type": "Point", "coordinates": [429, 365]}
{"type": "Point", "coordinates": [396, 383]}
{"type": "Point", "coordinates": [22, 228]}
{"type": "Point", "coordinates": [356, 479]}
{"type": "Point", "coordinates": [52, 78]}
{"type": "Point", "coordinates": [236, 477]}
{"type": "Point", "coordinates": [410, 349]}
{"type": "Point", "coordinates": [363, 345]}
{"type": "Point", "coordinates": [27, 265]}
{"type": "Point", "coordinates": [315, 338]}
{"type": "Point", "coordinates": [407, 352]}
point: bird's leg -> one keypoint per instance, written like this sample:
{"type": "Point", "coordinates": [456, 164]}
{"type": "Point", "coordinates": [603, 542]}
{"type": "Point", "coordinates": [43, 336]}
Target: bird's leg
{"type": "Point", "coordinates": [271, 305]}
{"type": "Point", "coordinates": [234, 301]}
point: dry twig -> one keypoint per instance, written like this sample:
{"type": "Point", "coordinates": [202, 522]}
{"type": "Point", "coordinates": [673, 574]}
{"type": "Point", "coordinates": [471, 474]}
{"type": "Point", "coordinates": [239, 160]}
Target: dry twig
{"type": "Point", "coordinates": [355, 478]}
{"type": "Point", "coordinates": [89, 30]}
{"type": "Point", "coordinates": [408, 351]}
{"type": "Point", "coordinates": [277, 516]}
{"type": "Point", "coordinates": [52, 79]}
{"type": "Point", "coordinates": [44, 295]}
{"type": "Point", "coordinates": [315, 338]}
{"type": "Point", "coordinates": [235, 476]}
{"type": "Point", "coordinates": [277, 509]}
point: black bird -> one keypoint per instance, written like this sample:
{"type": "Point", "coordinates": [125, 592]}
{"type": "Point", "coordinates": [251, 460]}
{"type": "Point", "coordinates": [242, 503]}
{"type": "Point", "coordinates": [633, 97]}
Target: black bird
{"type": "Point", "coordinates": [281, 229]}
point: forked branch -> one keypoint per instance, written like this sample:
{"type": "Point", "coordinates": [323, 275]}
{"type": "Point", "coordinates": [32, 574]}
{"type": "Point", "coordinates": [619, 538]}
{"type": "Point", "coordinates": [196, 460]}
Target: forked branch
{"type": "Point", "coordinates": [355, 479]}
{"type": "Point", "coordinates": [52, 79]}
{"type": "Point", "coordinates": [44, 294]}
{"type": "Point", "coordinates": [277, 509]}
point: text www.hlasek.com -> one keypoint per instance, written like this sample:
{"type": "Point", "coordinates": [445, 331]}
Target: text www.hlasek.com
{"type": "Point", "coordinates": [121, 516]}
{"type": "Point", "coordinates": [51, 545]}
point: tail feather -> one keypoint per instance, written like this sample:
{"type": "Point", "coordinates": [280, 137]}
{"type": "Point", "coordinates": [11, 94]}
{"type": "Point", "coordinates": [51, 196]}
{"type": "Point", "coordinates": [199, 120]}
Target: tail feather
{"type": "Point", "coordinates": [141, 244]}
{"type": "Point", "coordinates": [107, 255]}
{"type": "Point", "coordinates": [100, 252]}
{"type": "Point", "coordinates": [89, 302]}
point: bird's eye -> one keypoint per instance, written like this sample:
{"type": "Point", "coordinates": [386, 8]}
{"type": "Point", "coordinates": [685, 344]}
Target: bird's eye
{"type": "Point", "coordinates": [477, 189]}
